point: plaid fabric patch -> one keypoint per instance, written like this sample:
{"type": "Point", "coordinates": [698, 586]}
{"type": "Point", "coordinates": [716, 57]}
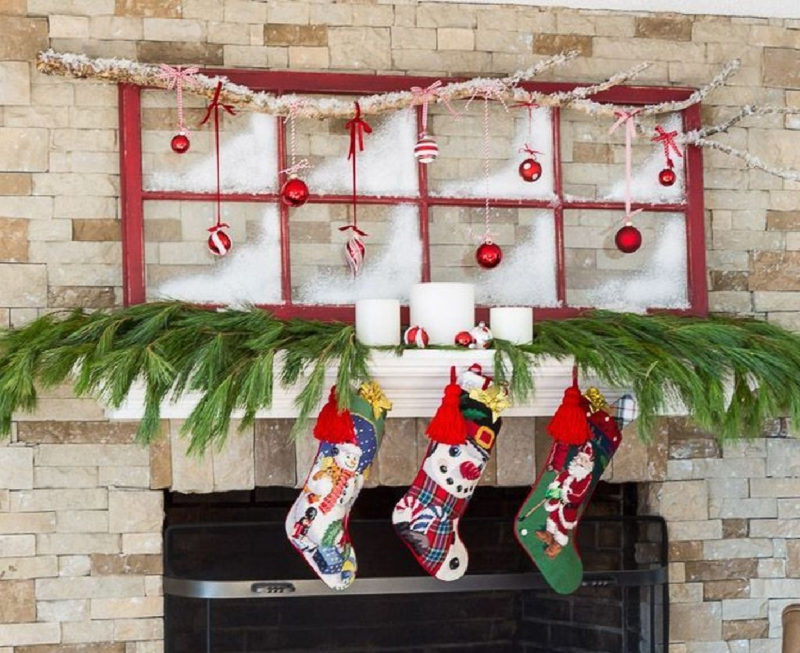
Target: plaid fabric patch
{"type": "Point", "coordinates": [445, 508]}
{"type": "Point", "coordinates": [625, 410]}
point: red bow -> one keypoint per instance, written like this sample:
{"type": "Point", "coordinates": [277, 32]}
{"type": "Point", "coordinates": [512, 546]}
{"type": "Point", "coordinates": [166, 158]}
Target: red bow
{"type": "Point", "coordinates": [357, 126]}
{"type": "Point", "coordinates": [354, 228]}
{"type": "Point", "coordinates": [667, 139]}
{"type": "Point", "coordinates": [216, 104]}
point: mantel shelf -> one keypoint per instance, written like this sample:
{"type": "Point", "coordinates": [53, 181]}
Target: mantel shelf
{"type": "Point", "coordinates": [413, 382]}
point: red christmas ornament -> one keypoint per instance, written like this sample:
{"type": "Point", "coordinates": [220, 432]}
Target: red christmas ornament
{"type": "Point", "coordinates": [179, 143]}
{"type": "Point", "coordinates": [628, 239]}
{"type": "Point", "coordinates": [426, 150]}
{"type": "Point", "coordinates": [294, 192]}
{"type": "Point", "coordinates": [219, 242]}
{"type": "Point", "coordinates": [530, 169]}
{"type": "Point", "coordinates": [463, 339]}
{"type": "Point", "coordinates": [667, 177]}
{"type": "Point", "coordinates": [488, 255]}
{"type": "Point", "coordinates": [416, 336]}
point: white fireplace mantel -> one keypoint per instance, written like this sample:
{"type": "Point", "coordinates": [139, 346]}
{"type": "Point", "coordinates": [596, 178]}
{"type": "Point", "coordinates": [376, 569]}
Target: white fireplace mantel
{"type": "Point", "coordinates": [413, 382]}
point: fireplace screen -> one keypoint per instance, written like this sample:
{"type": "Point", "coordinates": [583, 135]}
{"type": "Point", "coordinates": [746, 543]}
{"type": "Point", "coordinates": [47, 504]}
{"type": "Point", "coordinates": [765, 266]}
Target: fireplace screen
{"type": "Point", "coordinates": [240, 586]}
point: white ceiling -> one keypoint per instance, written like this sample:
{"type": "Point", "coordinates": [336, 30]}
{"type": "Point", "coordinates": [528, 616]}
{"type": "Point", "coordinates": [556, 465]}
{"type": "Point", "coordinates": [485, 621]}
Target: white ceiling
{"type": "Point", "coordinates": [759, 8]}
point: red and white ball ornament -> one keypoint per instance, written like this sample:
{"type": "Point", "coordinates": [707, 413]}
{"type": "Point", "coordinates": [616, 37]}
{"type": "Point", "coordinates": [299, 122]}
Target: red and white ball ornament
{"type": "Point", "coordinates": [294, 192]}
{"type": "Point", "coordinates": [463, 339]}
{"type": "Point", "coordinates": [628, 239]}
{"type": "Point", "coordinates": [219, 243]}
{"type": "Point", "coordinates": [426, 150]}
{"type": "Point", "coordinates": [180, 143]}
{"type": "Point", "coordinates": [530, 169]}
{"type": "Point", "coordinates": [416, 336]}
{"type": "Point", "coordinates": [667, 177]}
{"type": "Point", "coordinates": [488, 255]}
{"type": "Point", "coordinates": [481, 336]}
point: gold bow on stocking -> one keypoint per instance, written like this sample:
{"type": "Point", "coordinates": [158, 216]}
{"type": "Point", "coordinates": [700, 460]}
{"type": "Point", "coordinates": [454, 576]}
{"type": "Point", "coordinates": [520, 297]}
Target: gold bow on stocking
{"type": "Point", "coordinates": [373, 394]}
{"type": "Point", "coordinates": [495, 398]}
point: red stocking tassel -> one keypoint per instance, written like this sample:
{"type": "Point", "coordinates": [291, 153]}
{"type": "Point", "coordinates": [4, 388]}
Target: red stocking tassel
{"type": "Point", "coordinates": [569, 424]}
{"type": "Point", "coordinates": [448, 425]}
{"type": "Point", "coordinates": [332, 425]}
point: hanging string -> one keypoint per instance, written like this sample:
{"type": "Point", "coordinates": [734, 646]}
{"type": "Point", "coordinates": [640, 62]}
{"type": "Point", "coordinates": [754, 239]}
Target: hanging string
{"type": "Point", "coordinates": [667, 139]}
{"type": "Point", "coordinates": [491, 90]}
{"type": "Point", "coordinates": [303, 164]}
{"type": "Point", "coordinates": [176, 78]}
{"type": "Point", "coordinates": [627, 118]}
{"type": "Point", "coordinates": [355, 249]}
{"type": "Point", "coordinates": [529, 105]}
{"type": "Point", "coordinates": [426, 95]}
{"type": "Point", "coordinates": [215, 107]}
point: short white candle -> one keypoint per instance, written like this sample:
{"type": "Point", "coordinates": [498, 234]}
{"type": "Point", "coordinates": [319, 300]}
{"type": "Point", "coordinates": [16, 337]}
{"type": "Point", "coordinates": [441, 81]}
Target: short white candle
{"type": "Point", "coordinates": [443, 309]}
{"type": "Point", "coordinates": [512, 323]}
{"type": "Point", "coordinates": [378, 322]}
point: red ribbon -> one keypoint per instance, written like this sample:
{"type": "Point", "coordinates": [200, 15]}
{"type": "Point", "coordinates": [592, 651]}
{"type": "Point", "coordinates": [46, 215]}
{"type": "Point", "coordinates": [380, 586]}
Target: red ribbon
{"type": "Point", "coordinates": [357, 126]}
{"type": "Point", "coordinates": [176, 78]}
{"type": "Point", "coordinates": [527, 148]}
{"type": "Point", "coordinates": [627, 118]}
{"type": "Point", "coordinates": [530, 105]}
{"type": "Point", "coordinates": [214, 106]}
{"type": "Point", "coordinates": [667, 139]}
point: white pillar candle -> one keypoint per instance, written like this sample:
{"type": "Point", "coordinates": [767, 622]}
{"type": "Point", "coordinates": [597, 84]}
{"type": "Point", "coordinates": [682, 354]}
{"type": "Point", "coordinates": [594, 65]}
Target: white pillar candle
{"type": "Point", "coordinates": [513, 323]}
{"type": "Point", "coordinates": [443, 309]}
{"type": "Point", "coordinates": [378, 322]}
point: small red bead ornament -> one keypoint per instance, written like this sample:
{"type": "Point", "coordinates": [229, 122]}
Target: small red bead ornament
{"type": "Point", "coordinates": [488, 255]}
{"type": "Point", "coordinates": [294, 192]}
{"type": "Point", "coordinates": [628, 239]}
{"type": "Point", "coordinates": [180, 143]}
{"type": "Point", "coordinates": [463, 339]}
{"type": "Point", "coordinates": [426, 150]}
{"type": "Point", "coordinates": [219, 242]}
{"type": "Point", "coordinates": [416, 336]}
{"type": "Point", "coordinates": [667, 177]}
{"type": "Point", "coordinates": [530, 169]}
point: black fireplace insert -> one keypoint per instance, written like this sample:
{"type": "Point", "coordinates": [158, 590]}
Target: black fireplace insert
{"type": "Point", "coordinates": [233, 583]}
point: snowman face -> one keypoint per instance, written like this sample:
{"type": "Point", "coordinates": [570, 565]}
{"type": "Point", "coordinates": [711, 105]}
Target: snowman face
{"type": "Point", "coordinates": [457, 468]}
{"type": "Point", "coordinates": [347, 456]}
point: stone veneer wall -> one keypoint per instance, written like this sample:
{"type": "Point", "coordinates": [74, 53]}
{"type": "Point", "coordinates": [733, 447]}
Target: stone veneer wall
{"type": "Point", "coordinates": [80, 510]}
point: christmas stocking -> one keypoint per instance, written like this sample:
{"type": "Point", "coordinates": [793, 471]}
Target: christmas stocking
{"type": "Point", "coordinates": [462, 434]}
{"type": "Point", "coordinates": [317, 521]}
{"type": "Point", "coordinates": [586, 434]}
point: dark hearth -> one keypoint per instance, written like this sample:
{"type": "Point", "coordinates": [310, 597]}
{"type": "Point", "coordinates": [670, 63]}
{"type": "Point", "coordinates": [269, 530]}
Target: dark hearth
{"type": "Point", "coordinates": [233, 545]}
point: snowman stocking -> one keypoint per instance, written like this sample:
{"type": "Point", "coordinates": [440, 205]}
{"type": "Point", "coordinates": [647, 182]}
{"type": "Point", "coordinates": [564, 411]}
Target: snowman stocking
{"type": "Point", "coordinates": [586, 434]}
{"type": "Point", "coordinates": [462, 436]}
{"type": "Point", "coordinates": [317, 521]}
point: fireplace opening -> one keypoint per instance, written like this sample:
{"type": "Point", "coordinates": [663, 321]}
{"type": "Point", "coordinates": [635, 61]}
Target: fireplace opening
{"type": "Point", "coordinates": [233, 583]}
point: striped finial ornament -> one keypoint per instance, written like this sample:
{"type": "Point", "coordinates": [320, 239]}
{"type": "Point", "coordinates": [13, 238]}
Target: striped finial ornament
{"type": "Point", "coordinates": [219, 243]}
{"type": "Point", "coordinates": [354, 251]}
{"type": "Point", "coordinates": [426, 150]}
{"type": "Point", "coordinates": [416, 336]}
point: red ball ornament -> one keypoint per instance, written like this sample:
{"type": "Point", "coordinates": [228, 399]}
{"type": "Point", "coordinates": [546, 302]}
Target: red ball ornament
{"type": "Point", "coordinates": [489, 255]}
{"type": "Point", "coordinates": [667, 177]}
{"type": "Point", "coordinates": [294, 192]}
{"type": "Point", "coordinates": [426, 150]}
{"type": "Point", "coordinates": [530, 169]}
{"type": "Point", "coordinates": [219, 242]}
{"type": "Point", "coordinates": [628, 239]}
{"type": "Point", "coordinates": [416, 336]}
{"type": "Point", "coordinates": [179, 143]}
{"type": "Point", "coordinates": [463, 339]}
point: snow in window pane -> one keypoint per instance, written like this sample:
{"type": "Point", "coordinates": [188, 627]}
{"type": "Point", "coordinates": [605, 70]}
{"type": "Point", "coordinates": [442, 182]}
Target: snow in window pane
{"type": "Point", "coordinates": [460, 169]}
{"type": "Point", "coordinates": [393, 253]}
{"type": "Point", "coordinates": [180, 266]}
{"type": "Point", "coordinates": [527, 274]}
{"type": "Point", "coordinates": [248, 151]}
{"type": "Point", "coordinates": [598, 274]}
{"type": "Point", "coordinates": [594, 160]}
{"type": "Point", "coordinates": [386, 166]}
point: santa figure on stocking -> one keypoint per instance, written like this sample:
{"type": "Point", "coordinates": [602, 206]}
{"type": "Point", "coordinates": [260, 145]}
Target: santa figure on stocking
{"type": "Point", "coordinates": [563, 500]}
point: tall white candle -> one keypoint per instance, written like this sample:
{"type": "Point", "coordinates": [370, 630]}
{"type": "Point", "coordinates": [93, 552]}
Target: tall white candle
{"type": "Point", "coordinates": [443, 309]}
{"type": "Point", "coordinates": [513, 323]}
{"type": "Point", "coordinates": [378, 322]}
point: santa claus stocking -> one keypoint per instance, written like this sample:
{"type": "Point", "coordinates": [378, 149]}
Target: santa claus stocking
{"type": "Point", "coordinates": [586, 434]}
{"type": "Point", "coordinates": [317, 521]}
{"type": "Point", "coordinates": [462, 434]}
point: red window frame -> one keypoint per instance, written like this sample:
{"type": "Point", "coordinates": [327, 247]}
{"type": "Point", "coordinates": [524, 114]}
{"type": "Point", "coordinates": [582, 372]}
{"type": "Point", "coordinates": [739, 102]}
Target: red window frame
{"type": "Point", "coordinates": [133, 195]}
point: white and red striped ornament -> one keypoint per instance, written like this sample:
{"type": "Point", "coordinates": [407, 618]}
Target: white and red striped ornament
{"type": "Point", "coordinates": [426, 150]}
{"type": "Point", "coordinates": [416, 336]}
{"type": "Point", "coordinates": [219, 243]}
{"type": "Point", "coordinates": [354, 252]}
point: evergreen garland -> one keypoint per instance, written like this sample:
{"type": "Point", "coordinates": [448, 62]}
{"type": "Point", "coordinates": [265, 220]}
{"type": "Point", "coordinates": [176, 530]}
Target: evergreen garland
{"type": "Point", "coordinates": [229, 358]}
